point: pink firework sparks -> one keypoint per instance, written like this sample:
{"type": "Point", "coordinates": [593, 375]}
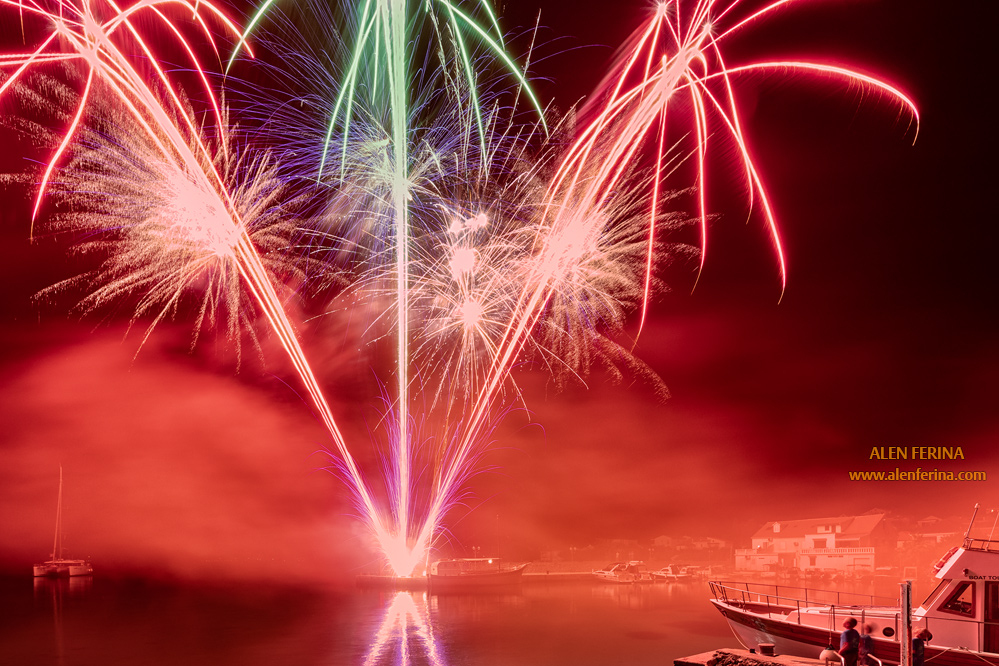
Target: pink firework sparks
{"type": "Point", "coordinates": [676, 52]}
{"type": "Point", "coordinates": [100, 36]}
{"type": "Point", "coordinates": [585, 230]}
{"type": "Point", "coordinates": [679, 52]}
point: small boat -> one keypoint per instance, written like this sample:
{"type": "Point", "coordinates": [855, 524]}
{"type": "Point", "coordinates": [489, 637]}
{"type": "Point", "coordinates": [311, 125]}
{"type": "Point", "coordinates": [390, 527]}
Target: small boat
{"type": "Point", "coordinates": [642, 573]}
{"type": "Point", "coordinates": [961, 613]}
{"type": "Point", "coordinates": [473, 572]}
{"type": "Point", "coordinates": [617, 572]}
{"type": "Point", "coordinates": [694, 572]}
{"type": "Point", "coordinates": [672, 573]}
{"type": "Point", "coordinates": [58, 566]}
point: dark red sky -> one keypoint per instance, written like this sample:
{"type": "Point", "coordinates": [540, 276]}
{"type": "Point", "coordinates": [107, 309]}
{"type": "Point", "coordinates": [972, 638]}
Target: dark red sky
{"type": "Point", "coordinates": [884, 337]}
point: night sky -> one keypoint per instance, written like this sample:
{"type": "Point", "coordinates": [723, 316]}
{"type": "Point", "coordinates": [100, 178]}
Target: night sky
{"type": "Point", "coordinates": [177, 465]}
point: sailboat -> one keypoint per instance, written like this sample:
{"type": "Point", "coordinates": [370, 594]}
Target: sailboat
{"type": "Point", "coordinates": [57, 566]}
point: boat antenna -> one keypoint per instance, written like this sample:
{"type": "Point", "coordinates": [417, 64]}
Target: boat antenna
{"type": "Point", "coordinates": [967, 534]}
{"type": "Point", "coordinates": [994, 524]}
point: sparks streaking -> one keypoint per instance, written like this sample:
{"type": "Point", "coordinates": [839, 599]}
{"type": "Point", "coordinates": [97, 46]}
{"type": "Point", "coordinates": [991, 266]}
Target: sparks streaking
{"type": "Point", "coordinates": [678, 56]}
{"type": "Point", "coordinates": [475, 243]}
{"type": "Point", "coordinates": [213, 225]}
{"type": "Point", "coordinates": [674, 55]}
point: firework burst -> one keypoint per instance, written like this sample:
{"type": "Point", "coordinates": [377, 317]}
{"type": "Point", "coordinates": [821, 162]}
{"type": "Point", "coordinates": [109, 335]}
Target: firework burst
{"type": "Point", "coordinates": [165, 238]}
{"type": "Point", "coordinates": [481, 246]}
{"type": "Point", "coordinates": [678, 56]}
{"type": "Point", "coordinates": [99, 40]}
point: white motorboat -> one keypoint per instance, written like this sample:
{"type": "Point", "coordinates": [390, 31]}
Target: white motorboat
{"type": "Point", "coordinates": [618, 572]}
{"type": "Point", "coordinates": [961, 613]}
{"type": "Point", "coordinates": [672, 573]}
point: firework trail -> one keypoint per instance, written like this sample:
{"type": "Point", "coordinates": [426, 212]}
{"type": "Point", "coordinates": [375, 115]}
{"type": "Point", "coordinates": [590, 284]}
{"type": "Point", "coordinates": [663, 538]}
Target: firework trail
{"type": "Point", "coordinates": [163, 237]}
{"type": "Point", "coordinates": [194, 222]}
{"type": "Point", "coordinates": [383, 42]}
{"type": "Point", "coordinates": [547, 256]}
{"type": "Point", "coordinates": [677, 53]}
{"type": "Point", "coordinates": [99, 36]}
{"type": "Point", "coordinates": [486, 250]}
{"type": "Point", "coordinates": [396, 125]}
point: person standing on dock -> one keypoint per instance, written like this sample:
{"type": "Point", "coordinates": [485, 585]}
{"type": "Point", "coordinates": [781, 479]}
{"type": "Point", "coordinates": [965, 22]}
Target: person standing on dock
{"type": "Point", "coordinates": [849, 642]}
{"type": "Point", "coordinates": [919, 641]}
{"type": "Point", "coordinates": [866, 644]}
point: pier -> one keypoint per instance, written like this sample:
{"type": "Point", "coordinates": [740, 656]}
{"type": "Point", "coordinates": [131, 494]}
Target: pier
{"type": "Point", "coordinates": [733, 657]}
{"type": "Point", "coordinates": [420, 582]}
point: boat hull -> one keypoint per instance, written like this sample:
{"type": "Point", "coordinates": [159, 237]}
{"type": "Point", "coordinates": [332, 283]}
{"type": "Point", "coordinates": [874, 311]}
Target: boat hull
{"type": "Point", "coordinates": [63, 569]}
{"type": "Point", "coordinates": [476, 579]}
{"type": "Point", "coordinates": [751, 629]}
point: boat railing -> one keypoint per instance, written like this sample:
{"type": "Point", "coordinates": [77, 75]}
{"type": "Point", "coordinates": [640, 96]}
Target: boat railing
{"type": "Point", "coordinates": [784, 599]}
{"type": "Point", "coordinates": [984, 545]}
{"type": "Point", "coordinates": [784, 596]}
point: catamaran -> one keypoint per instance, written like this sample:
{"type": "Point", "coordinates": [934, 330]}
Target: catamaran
{"type": "Point", "coordinates": [58, 566]}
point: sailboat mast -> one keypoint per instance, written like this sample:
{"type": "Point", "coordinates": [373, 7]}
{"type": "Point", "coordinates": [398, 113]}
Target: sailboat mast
{"type": "Point", "coordinates": [56, 545]}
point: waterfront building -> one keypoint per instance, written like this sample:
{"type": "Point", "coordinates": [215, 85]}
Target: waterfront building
{"type": "Point", "coordinates": [848, 544]}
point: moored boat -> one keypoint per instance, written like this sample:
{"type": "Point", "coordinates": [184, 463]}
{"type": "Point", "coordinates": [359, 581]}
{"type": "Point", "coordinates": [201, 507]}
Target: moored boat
{"type": "Point", "coordinates": [617, 572]}
{"type": "Point", "coordinates": [672, 573]}
{"type": "Point", "coordinates": [961, 613]}
{"type": "Point", "coordinates": [57, 566]}
{"type": "Point", "coordinates": [473, 572]}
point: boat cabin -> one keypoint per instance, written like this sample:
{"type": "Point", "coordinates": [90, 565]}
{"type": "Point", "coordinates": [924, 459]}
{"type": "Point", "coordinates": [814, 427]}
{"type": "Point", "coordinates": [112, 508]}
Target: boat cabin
{"type": "Point", "coordinates": [964, 606]}
{"type": "Point", "coordinates": [466, 565]}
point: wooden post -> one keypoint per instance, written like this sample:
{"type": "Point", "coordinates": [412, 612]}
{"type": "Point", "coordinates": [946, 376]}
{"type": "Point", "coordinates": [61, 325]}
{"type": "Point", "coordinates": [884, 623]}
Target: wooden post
{"type": "Point", "coordinates": [905, 635]}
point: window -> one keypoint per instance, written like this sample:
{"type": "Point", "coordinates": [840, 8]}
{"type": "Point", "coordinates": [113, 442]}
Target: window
{"type": "Point", "coordinates": [932, 596]}
{"type": "Point", "coordinates": [961, 601]}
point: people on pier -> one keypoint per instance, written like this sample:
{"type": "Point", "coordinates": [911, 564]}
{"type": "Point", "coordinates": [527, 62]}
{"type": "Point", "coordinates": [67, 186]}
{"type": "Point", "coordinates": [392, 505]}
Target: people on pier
{"type": "Point", "coordinates": [849, 642]}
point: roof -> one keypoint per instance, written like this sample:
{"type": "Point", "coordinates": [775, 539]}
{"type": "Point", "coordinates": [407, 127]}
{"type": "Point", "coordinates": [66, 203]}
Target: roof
{"type": "Point", "coordinates": [850, 526]}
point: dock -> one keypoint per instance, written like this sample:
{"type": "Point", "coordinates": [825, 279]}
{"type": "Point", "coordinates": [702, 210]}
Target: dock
{"type": "Point", "coordinates": [733, 657]}
{"type": "Point", "coordinates": [414, 583]}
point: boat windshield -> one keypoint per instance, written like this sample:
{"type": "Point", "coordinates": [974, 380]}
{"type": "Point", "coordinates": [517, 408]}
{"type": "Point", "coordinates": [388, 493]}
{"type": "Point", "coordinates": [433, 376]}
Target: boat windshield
{"type": "Point", "coordinates": [961, 600]}
{"type": "Point", "coordinates": [932, 596]}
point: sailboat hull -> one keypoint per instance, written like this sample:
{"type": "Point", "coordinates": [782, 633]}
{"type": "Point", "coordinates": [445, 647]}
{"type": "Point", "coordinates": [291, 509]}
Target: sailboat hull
{"type": "Point", "coordinates": [63, 569]}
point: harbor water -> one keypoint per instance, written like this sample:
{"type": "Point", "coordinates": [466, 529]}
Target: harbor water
{"type": "Point", "coordinates": [76, 622]}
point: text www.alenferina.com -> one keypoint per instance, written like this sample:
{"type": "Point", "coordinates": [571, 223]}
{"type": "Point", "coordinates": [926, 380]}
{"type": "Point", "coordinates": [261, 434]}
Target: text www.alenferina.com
{"type": "Point", "coordinates": [918, 474]}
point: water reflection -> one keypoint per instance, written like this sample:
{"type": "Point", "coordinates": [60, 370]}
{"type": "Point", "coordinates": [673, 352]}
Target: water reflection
{"type": "Point", "coordinates": [57, 590]}
{"type": "Point", "coordinates": [406, 623]}
{"type": "Point", "coordinates": [477, 606]}
{"type": "Point", "coordinates": [81, 622]}
{"type": "Point", "coordinates": [634, 596]}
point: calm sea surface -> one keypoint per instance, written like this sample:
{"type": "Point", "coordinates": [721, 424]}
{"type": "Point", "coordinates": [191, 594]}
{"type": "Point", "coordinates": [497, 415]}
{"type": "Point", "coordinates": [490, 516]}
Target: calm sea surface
{"type": "Point", "coordinates": [101, 622]}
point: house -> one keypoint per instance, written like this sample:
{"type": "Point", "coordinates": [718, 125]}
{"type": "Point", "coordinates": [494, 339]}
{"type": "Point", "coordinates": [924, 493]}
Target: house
{"type": "Point", "coordinates": [844, 543]}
